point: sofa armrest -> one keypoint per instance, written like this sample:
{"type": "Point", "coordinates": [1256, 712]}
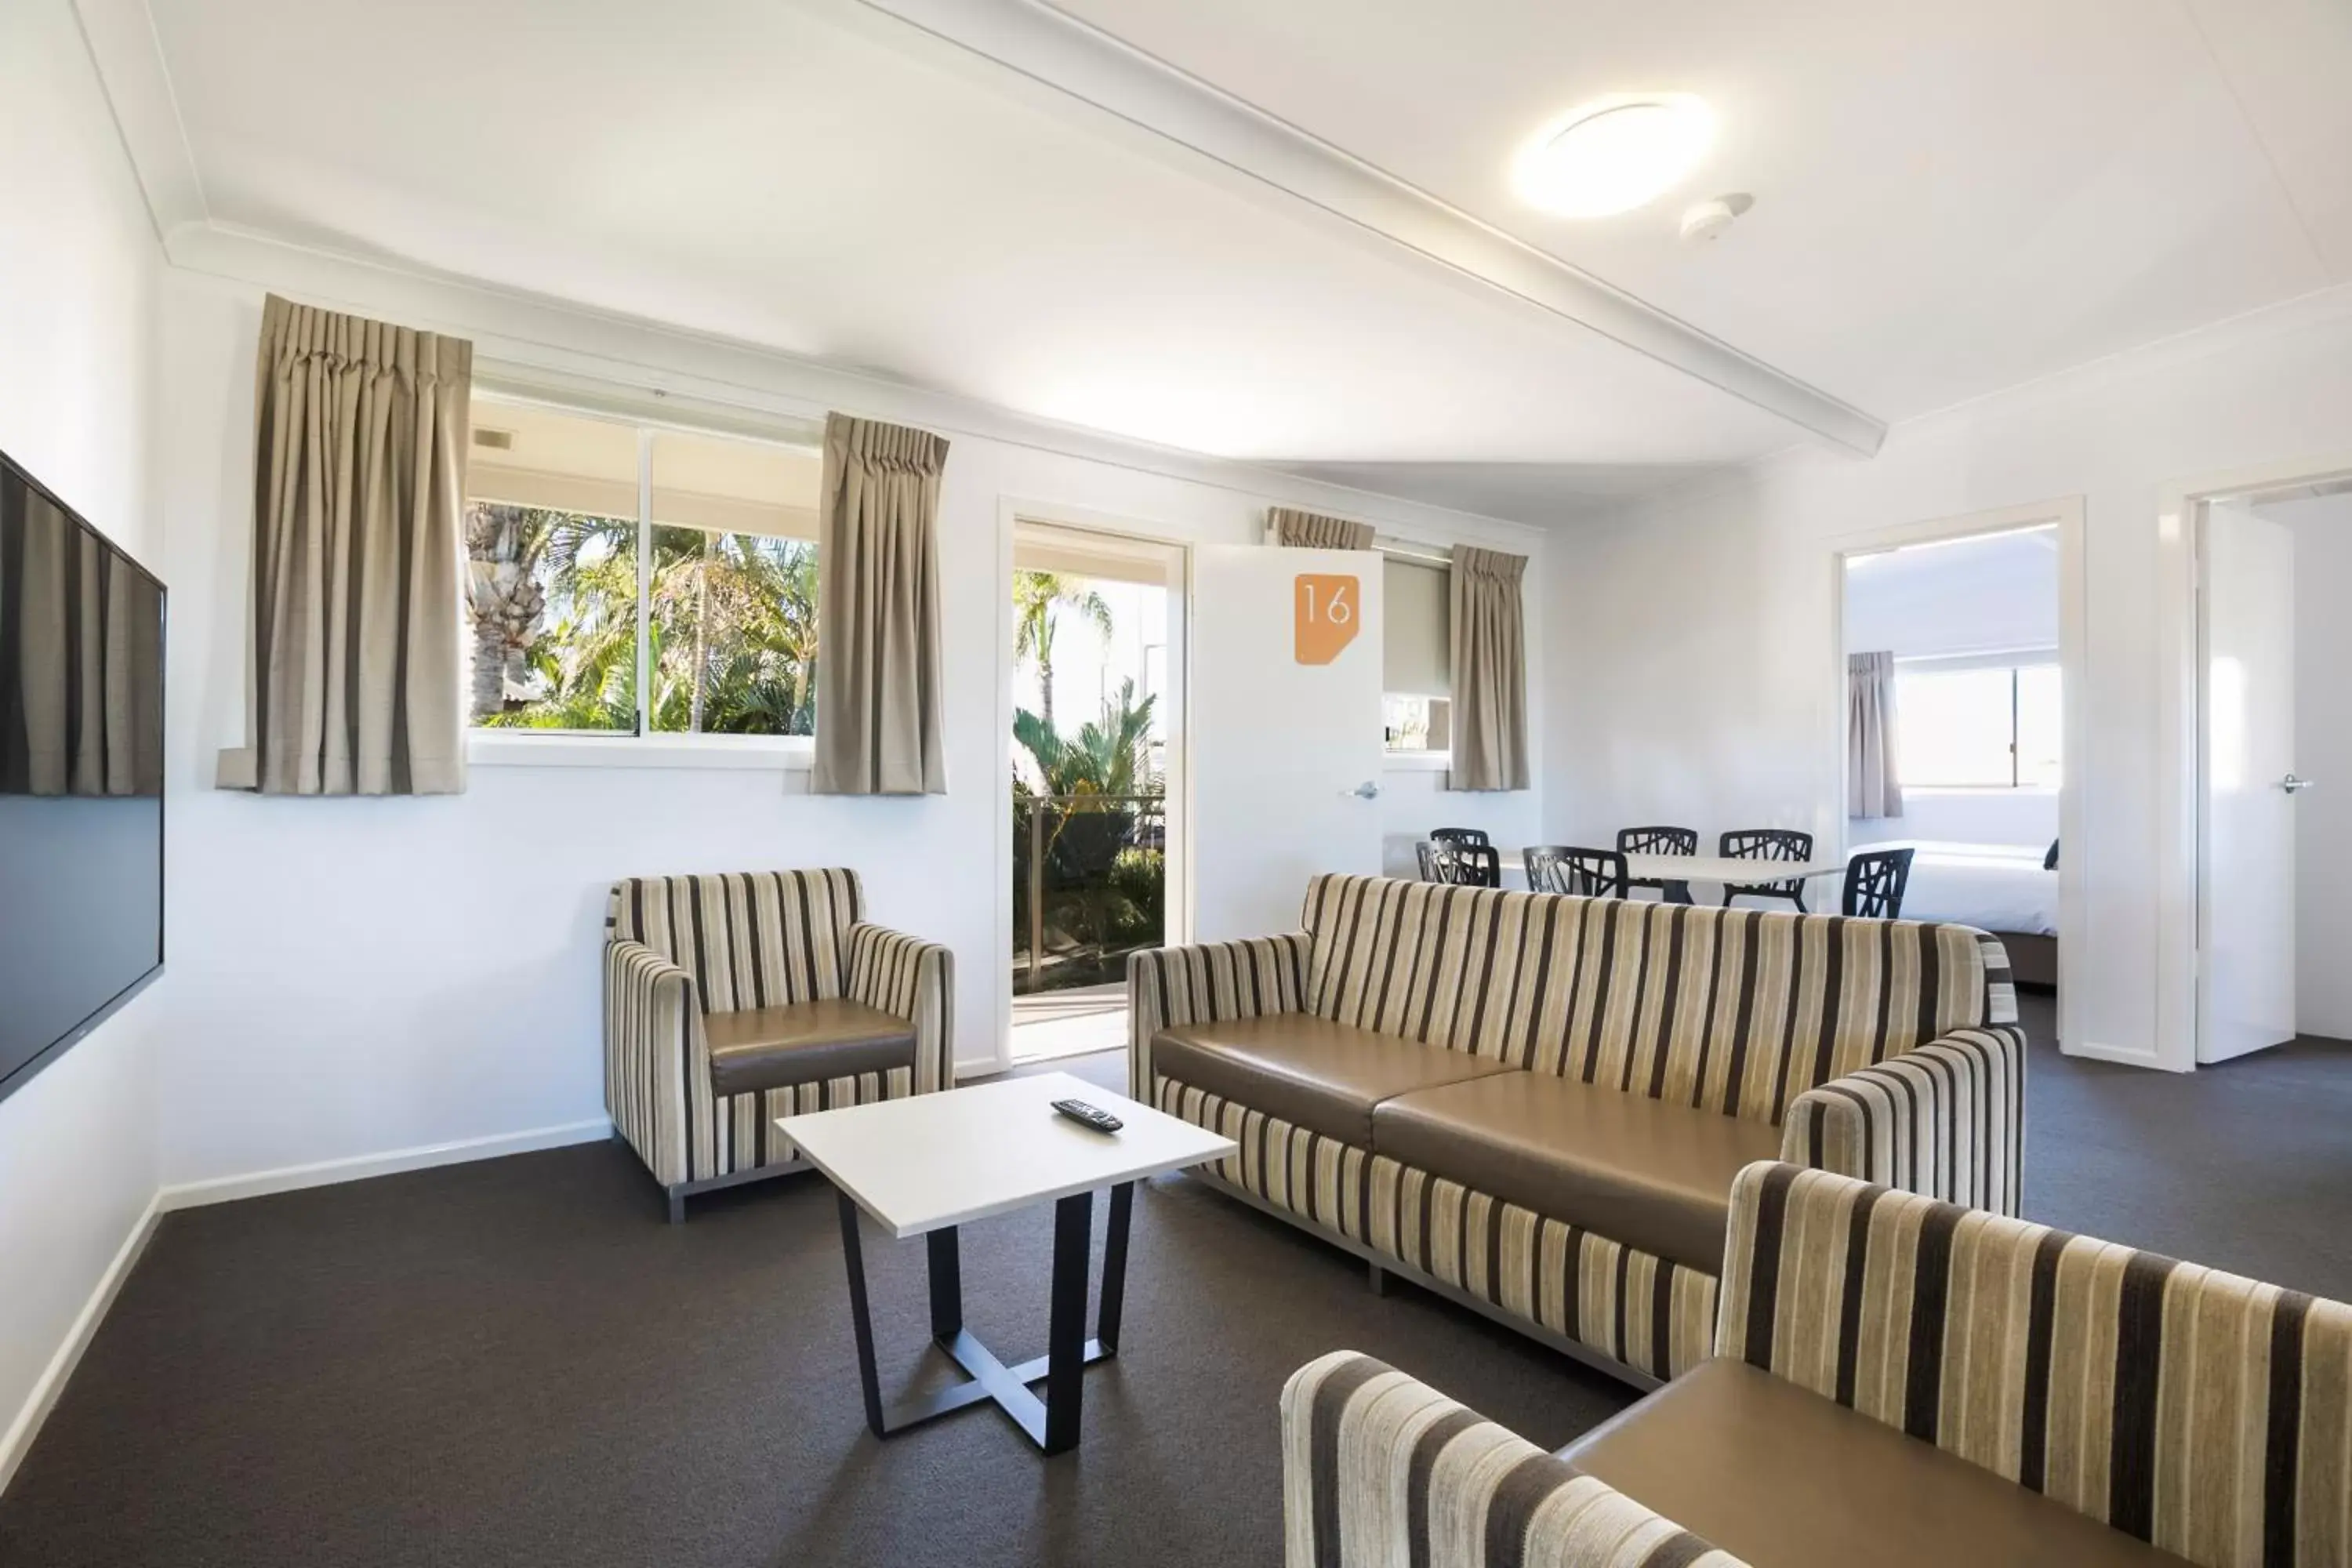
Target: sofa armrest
{"type": "Point", "coordinates": [2190, 1408]}
{"type": "Point", "coordinates": [915, 979]}
{"type": "Point", "coordinates": [1946, 1120]}
{"type": "Point", "coordinates": [655, 1056]}
{"type": "Point", "coordinates": [1210, 982]}
{"type": "Point", "coordinates": [1381, 1471]}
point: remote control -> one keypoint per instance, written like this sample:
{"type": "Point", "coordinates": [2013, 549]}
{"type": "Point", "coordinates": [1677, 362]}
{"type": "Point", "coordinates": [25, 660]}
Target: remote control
{"type": "Point", "coordinates": [1086, 1115]}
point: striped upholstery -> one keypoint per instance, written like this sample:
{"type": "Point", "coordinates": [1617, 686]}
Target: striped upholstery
{"type": "Point", "coordinates": [679, 947]}
{"type": "Point", "coordinates": [1883, 1049]}
{"type": "Point", "coordinates": [1654, 1316]}
{"type": "Point", "coordinates": [1378, 1471]}
{"type": "Point", "coordinates": [2208, 1415]}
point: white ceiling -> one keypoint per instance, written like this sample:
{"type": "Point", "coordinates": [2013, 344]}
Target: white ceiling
{"type": "Point", "coordinates": [1950, 200]}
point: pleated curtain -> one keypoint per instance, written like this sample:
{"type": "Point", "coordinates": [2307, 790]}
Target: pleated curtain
{"type": "Point", "coordinates": [1489, 704]}
{"type": "Point", "coordinates": [353, 670]}
{"type": "Point", "coordinates": [82, 635]}
{"type": "Point", "coordinates": [1872, 787]}
{"type": "Point", "coordinates": [1312, 531]}
{"type": "Point", "coordinates": [878, 726]}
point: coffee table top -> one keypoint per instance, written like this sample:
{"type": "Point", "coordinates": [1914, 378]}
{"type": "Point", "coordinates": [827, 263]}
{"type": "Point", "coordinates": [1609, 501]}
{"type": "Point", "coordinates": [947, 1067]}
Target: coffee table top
{"type": "Point", "coordinates": [929, 1161]}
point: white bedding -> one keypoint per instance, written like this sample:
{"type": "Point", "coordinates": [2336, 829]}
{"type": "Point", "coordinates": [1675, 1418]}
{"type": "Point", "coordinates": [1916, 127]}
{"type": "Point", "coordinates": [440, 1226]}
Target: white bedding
{"type": "Point", "coordinates": [1993, 886]}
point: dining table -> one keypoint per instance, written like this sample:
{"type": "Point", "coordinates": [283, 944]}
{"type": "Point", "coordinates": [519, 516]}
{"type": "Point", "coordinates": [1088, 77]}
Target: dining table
{"type": "Point", "coordinates": [1717, 870]}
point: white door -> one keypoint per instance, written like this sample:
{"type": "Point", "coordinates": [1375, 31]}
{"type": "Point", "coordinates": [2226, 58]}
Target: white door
{"type": "Point", "coordinates": [2248, 873]}
{"type": "Point", "coordinates": [1285, 715]}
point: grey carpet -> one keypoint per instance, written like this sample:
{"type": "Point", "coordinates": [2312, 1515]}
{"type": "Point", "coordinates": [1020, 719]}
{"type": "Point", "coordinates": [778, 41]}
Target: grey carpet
{"type": "Point", "coordinates": [517, 1363]}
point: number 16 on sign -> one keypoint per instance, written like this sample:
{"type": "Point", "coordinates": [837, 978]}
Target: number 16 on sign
{"type": "Point", "coordinates": [1324, 612]}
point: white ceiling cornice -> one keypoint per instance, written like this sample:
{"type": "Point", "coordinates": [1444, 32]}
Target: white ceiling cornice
{"type": "Point", "coordinates": [129, 60]}
{"type": "Point", "coordinates": [1053, 50]}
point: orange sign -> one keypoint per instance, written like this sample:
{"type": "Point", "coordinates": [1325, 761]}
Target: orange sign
{"type": "Point", "coordinates": [1324, 612]}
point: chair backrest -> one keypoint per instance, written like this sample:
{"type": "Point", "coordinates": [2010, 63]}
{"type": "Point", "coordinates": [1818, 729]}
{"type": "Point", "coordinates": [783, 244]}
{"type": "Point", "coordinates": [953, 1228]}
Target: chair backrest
{"type": "Point", "coordinates": [752, 938]}
{"type": "Point", "coordinates": [2197, 1411]}
{"type": "Point", "coordinates": [1875, 883]}
{"type": "Point", "coordinates": [1575, 872]}
{"type": "Point", "coordinates": [1737, 1011]}
{"type": "Point", "coordinates": [1657, 841]}
{"type": "Point", "coordinates": [1460, 835]}
{"type": "Point", "coordinates": [2050, 861]}
{"type": "Point", "coordinates": [1765, 843]}
{"type": "Point", "coordinates": [1461, 865]}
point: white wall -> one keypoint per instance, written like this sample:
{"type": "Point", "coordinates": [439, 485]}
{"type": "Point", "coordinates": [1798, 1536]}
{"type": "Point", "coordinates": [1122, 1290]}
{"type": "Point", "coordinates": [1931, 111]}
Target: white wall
{"type": "Point", "coordinates": [355, 976]}
{"type": "Point", "coordinates": [79, 265]}
{"type": "Point", "coordinates": [1414, 798]}
{"type": "Point", "coordinates": [1706, 691]}
{"type": "Point", "coordinates": [2323, 750]}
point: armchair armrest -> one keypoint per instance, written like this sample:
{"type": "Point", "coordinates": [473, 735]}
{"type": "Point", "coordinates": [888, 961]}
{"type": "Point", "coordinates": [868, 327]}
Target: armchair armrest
{"type": "Point", "coordinates": [1946, 1120]}
{"type": "Point", "coordinates": [655, 1056]}
{"type": "Point", "coordinates": [1210, 982]}
{"type": "Point", "coordinates": [1375, 1464]}
{"type": "Point", "coordinates": [915, 979]}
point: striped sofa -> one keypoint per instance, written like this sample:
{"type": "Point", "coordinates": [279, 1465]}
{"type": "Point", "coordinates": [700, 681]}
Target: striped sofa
{"type": "Point", "coordinates": [1701, 1038]}
{"type": "Point", "coordinates": [732, 1000]}
{"type": "Point", "coordinates": [1896, 1380]}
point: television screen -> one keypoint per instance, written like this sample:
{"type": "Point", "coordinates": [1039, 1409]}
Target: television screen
{"type": "Point", "coordinates": [81, 776]}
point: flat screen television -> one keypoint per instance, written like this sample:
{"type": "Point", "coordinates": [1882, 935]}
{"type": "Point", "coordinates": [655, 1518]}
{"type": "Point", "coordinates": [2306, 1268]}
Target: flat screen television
{"type": "Point", "coordinates": [81, 777]}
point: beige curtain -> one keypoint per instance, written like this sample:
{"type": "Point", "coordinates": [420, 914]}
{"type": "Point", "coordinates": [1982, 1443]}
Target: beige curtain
{"type": "Point", "coordinates": [1489, 705]}
{"type": "Point", "coordinates": [1312, 531]}
{"type": "Point", "coordinates": [1871, 788]}
{"type": "Point", "coordinates": [352, 679]}
{"type": "Point", "coordinates": [80, 659]}
{"type": "Point", "coordinates": [878, 688]}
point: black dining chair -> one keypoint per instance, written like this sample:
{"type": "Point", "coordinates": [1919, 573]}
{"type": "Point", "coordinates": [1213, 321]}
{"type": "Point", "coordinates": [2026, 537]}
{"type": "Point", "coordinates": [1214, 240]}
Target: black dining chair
{"type": "Point", "coordinates": [1580, 873]}
{"type": "Point", "coordinates": [1460, 865]}
{"type": "Point", "coordinates": [1460, 835]}
{"type": "Point", "coordinates": [1767, 844]}
{"type": "Point", "coordinates": [1660, 841]}
{"type": "Point", "coordinates": [1875, 883]}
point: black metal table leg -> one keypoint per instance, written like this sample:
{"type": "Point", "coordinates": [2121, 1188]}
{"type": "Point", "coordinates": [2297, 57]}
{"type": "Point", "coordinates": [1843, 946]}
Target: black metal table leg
{"type": "Point", "coordinates": [861, 1317]}
{"type": "Point", "coordinates": [947, 1284]}
{"type": "Point", "coordinates": [1065, 1334]}
{"type": "Point", "coordinates": [1114, 1279]}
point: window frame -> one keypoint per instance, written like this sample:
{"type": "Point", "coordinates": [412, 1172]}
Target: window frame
{"type": "Point", "coordinates": [2012, 663]}
{"type": "Point", "coordinates": [641, 746]}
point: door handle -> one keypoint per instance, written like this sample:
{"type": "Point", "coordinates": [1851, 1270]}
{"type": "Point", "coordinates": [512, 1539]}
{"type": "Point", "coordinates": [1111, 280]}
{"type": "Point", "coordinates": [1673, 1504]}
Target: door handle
{"type": "Point", "coordinates": [1367, 790]}
{"type": "Point", "coordinates": [2292, 784]}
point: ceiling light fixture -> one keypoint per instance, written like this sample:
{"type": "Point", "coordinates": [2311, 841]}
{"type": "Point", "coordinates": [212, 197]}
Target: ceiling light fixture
{"type": "Point", "coordinates": [1615, 155]}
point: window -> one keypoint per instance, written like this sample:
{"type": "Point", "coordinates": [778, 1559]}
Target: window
{"type": "Point", "coordinates": [627, 581]}
{"type": "Point", "coordinates": [1977, 725]}
{"type": "Point", "coordinates": [1415, 655]}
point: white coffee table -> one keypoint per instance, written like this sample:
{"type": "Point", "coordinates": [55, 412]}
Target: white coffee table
{"type": "Point", "coordinates": [924, 1166]}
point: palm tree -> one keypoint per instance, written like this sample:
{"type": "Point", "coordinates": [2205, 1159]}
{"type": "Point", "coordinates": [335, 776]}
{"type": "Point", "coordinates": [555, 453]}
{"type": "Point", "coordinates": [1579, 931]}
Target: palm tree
{"type": "Point", "coordinates": [507, 547]}
{"type": "Point", "coordinates": [1036, 597]}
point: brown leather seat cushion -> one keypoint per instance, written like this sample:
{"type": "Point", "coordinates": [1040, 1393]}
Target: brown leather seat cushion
{"type": "Point", "coordinates": [1652, 1175]}
{"type": "Point", "coordinates": [1783, 1478]}
{"type": "Point", "coordinates": [806, 1042]}
{"type": "Point", "coordinates": [1309, 1071]}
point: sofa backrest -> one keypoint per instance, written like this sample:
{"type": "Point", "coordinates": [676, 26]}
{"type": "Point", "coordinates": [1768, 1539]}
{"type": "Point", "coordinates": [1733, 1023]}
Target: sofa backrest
{"type": "Point", "coordinates": [2207, 1414]}
{"type": "Point", "coordinates": [1733, 1010]}
{"type": "Point", "coordinates": [750, 938]}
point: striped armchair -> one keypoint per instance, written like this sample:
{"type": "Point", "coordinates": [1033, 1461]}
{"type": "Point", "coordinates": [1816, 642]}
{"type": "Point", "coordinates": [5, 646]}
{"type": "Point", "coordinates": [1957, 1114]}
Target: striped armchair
{"type": "Point", "coordinates": [1536, 1105]}
{"type": "Point", "coordinates": [732, 1000]}
{"type": "Point", "coordinates": [1896, 1380]}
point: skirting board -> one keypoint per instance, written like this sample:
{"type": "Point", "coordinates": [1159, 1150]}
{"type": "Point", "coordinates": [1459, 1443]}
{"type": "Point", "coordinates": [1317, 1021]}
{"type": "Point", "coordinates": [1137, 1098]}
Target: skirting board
{"type": "Point", "coordinates": [52, 1382]}
{"type": "Point", "coordinates": [227, 1189]}
{"type": "Point", "coordinates": [359, 1167]}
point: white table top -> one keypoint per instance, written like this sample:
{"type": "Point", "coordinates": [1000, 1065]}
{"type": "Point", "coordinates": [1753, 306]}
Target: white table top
{"type": "Point", "coordinates": [1704, 867]}
{"type": "Point", "coordinates": [929, 1161]}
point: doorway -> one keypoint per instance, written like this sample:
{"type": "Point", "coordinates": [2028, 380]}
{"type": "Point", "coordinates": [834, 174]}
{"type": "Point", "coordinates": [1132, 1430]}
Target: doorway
{"type": "Point", "coordinates": [1097, 767]}
{"type": "Point", "coordinates": [2273, 719]}
{"type": "Point", "coordinates": [1957, 730]}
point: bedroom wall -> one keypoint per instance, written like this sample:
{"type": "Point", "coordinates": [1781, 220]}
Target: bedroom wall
{"type": "Point", "coordinates": [363, 976]}
{"type": "Point", "coordinates": [2323, 750]}
{"type": "Point", "coordinates": [1717, 701]}
{"type": "Point", "coordinates": [78, 1140]}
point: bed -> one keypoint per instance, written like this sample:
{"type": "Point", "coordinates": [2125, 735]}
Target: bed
{"type": "Point", "coordinates": [2000, 888]}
